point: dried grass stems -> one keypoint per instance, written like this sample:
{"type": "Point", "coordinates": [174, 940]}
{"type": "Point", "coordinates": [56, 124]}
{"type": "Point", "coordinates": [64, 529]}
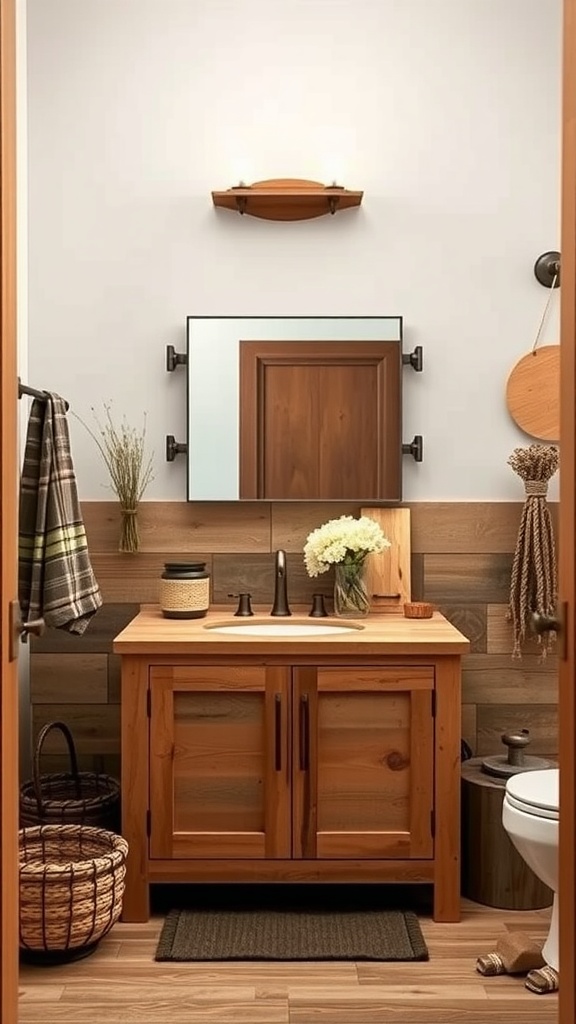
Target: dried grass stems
{"type": "Point", "coordinates": [534, 582]}
{"type": "Point", "coordinates": [123, 451]}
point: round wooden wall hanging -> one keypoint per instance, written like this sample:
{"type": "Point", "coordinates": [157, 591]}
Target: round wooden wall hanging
{"type": "Point", "coordinates": [533, 393]}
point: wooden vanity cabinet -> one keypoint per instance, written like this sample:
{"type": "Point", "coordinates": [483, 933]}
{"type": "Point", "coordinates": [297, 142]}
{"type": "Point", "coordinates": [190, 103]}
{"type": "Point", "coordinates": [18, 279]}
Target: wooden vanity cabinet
{"type": "Point", "coordinates": [272, 762]}
{"type": "Point", "coordinates": [297, 762]}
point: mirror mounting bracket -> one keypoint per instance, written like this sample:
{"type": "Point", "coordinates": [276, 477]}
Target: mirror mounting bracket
{"type": "Point", "coordinates": [414, 448]}
{"type": "Point", "coordinates": [174, 358]}
{"type": "Point", "coordinates": [174, 448]}
{"type": "Point", "coordinates": [414, 359]}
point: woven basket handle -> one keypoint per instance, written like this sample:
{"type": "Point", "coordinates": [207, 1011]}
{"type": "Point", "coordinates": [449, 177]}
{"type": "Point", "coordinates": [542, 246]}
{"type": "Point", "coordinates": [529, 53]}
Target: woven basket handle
{"type": "Point", "coordinates": [73, 759]}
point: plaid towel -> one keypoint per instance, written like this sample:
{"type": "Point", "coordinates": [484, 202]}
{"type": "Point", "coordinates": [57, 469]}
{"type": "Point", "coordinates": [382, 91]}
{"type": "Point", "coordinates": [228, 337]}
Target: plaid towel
{"type": "Point", "coordinates": [55, 578]}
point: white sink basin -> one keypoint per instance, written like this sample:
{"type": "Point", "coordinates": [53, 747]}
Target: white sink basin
{"type": "Point", "coordinates": [293, 628]}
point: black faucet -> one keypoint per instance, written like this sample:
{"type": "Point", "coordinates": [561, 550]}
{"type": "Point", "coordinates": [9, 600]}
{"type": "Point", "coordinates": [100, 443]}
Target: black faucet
{"type": "Point", "coordinates": [280, 606]}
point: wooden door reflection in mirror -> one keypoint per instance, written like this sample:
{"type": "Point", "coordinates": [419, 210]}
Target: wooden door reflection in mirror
{"type": "Point", "coordinates": [320, 420]}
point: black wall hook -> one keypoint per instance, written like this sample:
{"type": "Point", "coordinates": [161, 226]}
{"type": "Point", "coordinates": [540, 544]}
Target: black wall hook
{"type": "Point", "coordinates": [547, 269]}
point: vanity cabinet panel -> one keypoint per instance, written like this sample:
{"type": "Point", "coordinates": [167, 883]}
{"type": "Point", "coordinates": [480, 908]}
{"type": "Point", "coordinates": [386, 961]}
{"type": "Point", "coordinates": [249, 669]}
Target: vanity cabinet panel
{"type": "Point", "coordinates": [363, 763]}
{"type": "Point", "coordinates": [224, 783]}
{"type": "Point", "coordinates": [219, 762]}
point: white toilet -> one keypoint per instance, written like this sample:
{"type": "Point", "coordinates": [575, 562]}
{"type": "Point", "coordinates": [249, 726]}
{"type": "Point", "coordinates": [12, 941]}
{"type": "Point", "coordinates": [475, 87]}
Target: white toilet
{"type": "Point", "coordinates": [530, 817]}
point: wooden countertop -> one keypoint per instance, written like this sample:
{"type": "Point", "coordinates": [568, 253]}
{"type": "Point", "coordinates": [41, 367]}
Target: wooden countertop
{"type": "Point", "coordinates": [380, 634]}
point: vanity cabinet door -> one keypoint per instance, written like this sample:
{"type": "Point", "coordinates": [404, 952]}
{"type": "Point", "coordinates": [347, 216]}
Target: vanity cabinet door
{"type": "Point", "coordinates": [219, 762]}
{"type": "Point", "coordinates": [363, 762]}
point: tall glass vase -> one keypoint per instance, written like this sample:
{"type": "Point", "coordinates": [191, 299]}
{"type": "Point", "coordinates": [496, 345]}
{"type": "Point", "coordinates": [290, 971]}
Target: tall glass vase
{"type": "Point", "coordinates": [129, 536]}
{"type": "Point", "coordinates": [351, 598]}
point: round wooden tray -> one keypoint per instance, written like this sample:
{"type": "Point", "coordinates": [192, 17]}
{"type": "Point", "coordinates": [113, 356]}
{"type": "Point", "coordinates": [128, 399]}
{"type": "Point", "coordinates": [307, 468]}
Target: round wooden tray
{"type": "Point", "coordinates": [533, 393]}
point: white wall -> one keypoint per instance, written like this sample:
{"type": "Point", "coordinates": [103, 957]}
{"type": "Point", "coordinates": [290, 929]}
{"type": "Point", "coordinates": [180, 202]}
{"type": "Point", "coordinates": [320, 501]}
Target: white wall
{"type": "Point", "coordinates": [446, 112]}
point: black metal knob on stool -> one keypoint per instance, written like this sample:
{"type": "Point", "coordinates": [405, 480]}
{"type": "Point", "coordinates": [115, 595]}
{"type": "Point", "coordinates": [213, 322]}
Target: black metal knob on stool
{"type": "Point", "coordinates": [516, 741]}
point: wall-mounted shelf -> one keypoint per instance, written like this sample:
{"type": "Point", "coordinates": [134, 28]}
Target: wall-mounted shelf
{"type": "Point", "coordinates": [287, 199]}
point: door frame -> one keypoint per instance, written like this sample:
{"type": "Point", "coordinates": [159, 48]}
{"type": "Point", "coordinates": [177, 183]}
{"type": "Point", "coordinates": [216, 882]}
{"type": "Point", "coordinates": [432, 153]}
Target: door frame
{"type": "Point", "coordinates": [8, 520]}
{"type": "Point", "coordinates": [567, 567]}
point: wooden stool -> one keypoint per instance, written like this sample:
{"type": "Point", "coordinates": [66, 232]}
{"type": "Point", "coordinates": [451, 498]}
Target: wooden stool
{"type": "Point", "coordinates": [493, 872]}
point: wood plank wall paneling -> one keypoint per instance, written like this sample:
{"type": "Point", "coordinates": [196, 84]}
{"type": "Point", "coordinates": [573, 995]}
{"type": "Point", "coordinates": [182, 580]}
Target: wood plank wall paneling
{"type": "Point", "coordinates": [472, 527]}
{"type": "Point", "coordinates": [461, 560]}
{"type": "Point", "coordinates": [254, 574]}
{"type": "Point", "coordinates": [450, 578]}
{"type": "Point", "coordinates": [469, 726]}
{"type": "Point", "coordinates": [94, 726]}
{"type": "Point", "coordinates": [56, 680]}
{"type": "Point", "coordinates": [109, 620]}
{"type": "Point", "coordinates": [494, 719]}
{"type": "Point", "coordinates": [186, 527]}
{"type": "Point", "coordinates": [126, 577]}
{"type": "Point", "coordinates": [497, 679]}
{"type": "Point", "coordinates": [499, 632]}
{"type": "Point", "coordinates": [470, 619]}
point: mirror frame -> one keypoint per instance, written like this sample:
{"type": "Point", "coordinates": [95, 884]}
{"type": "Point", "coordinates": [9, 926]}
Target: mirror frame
{"type": "Point", "coordinates": [213, 391]}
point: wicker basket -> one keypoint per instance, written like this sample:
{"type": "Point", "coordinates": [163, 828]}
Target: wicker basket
{"type": "Point", "coordinates": [418, 610]}
{"type": "Point", "coordinates": [68, 798]}
{"type": "Point", "coordinates": [71, 887]}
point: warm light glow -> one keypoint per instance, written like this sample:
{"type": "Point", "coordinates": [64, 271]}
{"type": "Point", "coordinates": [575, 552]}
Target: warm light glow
{"type": "Point", "coordinates": [242, 172]}
{"type": "Point", "coordinates": [334, 170]}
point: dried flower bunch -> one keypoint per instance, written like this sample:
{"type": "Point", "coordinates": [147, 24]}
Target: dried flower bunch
{"type": "Point", "coordinates": [123, 451]}
{"type": "Point", "coordinates": [343, 541]}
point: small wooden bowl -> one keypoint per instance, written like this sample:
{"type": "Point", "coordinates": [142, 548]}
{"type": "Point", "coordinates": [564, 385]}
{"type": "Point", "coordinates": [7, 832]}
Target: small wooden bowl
{"type": "Point", "coordinates": [418, 610]}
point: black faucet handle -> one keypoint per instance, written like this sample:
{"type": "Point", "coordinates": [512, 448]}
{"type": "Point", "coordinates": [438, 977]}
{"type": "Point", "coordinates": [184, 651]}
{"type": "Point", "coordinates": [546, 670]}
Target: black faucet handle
{"type": "Point", "coordinates": [318, 610]}
{"type": "Point", "coordinates": [244, 605]}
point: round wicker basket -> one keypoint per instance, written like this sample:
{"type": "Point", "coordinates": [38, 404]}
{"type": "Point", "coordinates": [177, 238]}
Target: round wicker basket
{"type": "Point", "coordinates": [68, 798]}
{"type": "Point", "coordinates": [71, 887]}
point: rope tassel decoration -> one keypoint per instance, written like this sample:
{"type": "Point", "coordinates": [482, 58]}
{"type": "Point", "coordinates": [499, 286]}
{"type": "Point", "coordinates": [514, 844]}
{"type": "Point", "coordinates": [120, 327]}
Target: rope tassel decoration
{"type": "Point", "coordinates": [534, 582]}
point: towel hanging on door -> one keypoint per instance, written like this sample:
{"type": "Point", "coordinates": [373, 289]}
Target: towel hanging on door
{"type": "Point", "coordinates": [55, 577]}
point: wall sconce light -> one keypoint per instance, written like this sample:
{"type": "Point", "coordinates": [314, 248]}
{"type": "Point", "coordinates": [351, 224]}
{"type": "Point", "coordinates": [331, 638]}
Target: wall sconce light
{"type": "Point", "coordinates": [287, 199]}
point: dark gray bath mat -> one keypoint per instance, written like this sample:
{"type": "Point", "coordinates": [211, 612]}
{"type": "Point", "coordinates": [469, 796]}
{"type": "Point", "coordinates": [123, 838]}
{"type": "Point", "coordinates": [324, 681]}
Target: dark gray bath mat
{"type": "Point", "coordinates": [290, 935]}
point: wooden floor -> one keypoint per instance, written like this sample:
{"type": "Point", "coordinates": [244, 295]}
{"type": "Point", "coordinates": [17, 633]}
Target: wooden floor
{"type": "Point", "coordinates": [121, 984]}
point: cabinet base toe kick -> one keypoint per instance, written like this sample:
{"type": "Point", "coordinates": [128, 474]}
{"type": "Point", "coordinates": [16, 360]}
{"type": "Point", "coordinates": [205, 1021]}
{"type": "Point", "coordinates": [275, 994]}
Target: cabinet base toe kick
{"type": "Point", "coordinates": [291, 871]}
{"type": "Point", "coordinates": [446, 905]}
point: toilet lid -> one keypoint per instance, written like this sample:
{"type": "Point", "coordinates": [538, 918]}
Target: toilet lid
{"type": "Point", "coordinates": [535, 792]}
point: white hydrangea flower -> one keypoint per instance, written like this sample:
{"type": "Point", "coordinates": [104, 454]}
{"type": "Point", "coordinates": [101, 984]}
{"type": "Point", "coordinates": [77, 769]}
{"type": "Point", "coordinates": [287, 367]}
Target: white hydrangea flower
{"type": "Point", "coordinates": [343, 540]}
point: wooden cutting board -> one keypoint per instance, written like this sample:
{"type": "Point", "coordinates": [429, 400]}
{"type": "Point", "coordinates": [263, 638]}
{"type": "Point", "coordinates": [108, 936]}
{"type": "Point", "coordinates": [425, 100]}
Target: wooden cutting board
{"type": "Point", "coordinates": [389, 572]}
{"type": "Point", "coordinates": [533, 393]}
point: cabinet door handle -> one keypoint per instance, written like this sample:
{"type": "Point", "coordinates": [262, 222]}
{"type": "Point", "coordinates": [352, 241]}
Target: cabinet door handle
{"type": "Point", "coordinates": [304, 733]}
{"type": "Point", "coordinates": [278, 732]}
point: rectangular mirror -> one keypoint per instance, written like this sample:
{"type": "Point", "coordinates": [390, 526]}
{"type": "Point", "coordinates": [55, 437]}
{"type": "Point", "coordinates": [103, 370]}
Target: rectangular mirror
{"type": "Point", "coordinates": [294, 408]}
